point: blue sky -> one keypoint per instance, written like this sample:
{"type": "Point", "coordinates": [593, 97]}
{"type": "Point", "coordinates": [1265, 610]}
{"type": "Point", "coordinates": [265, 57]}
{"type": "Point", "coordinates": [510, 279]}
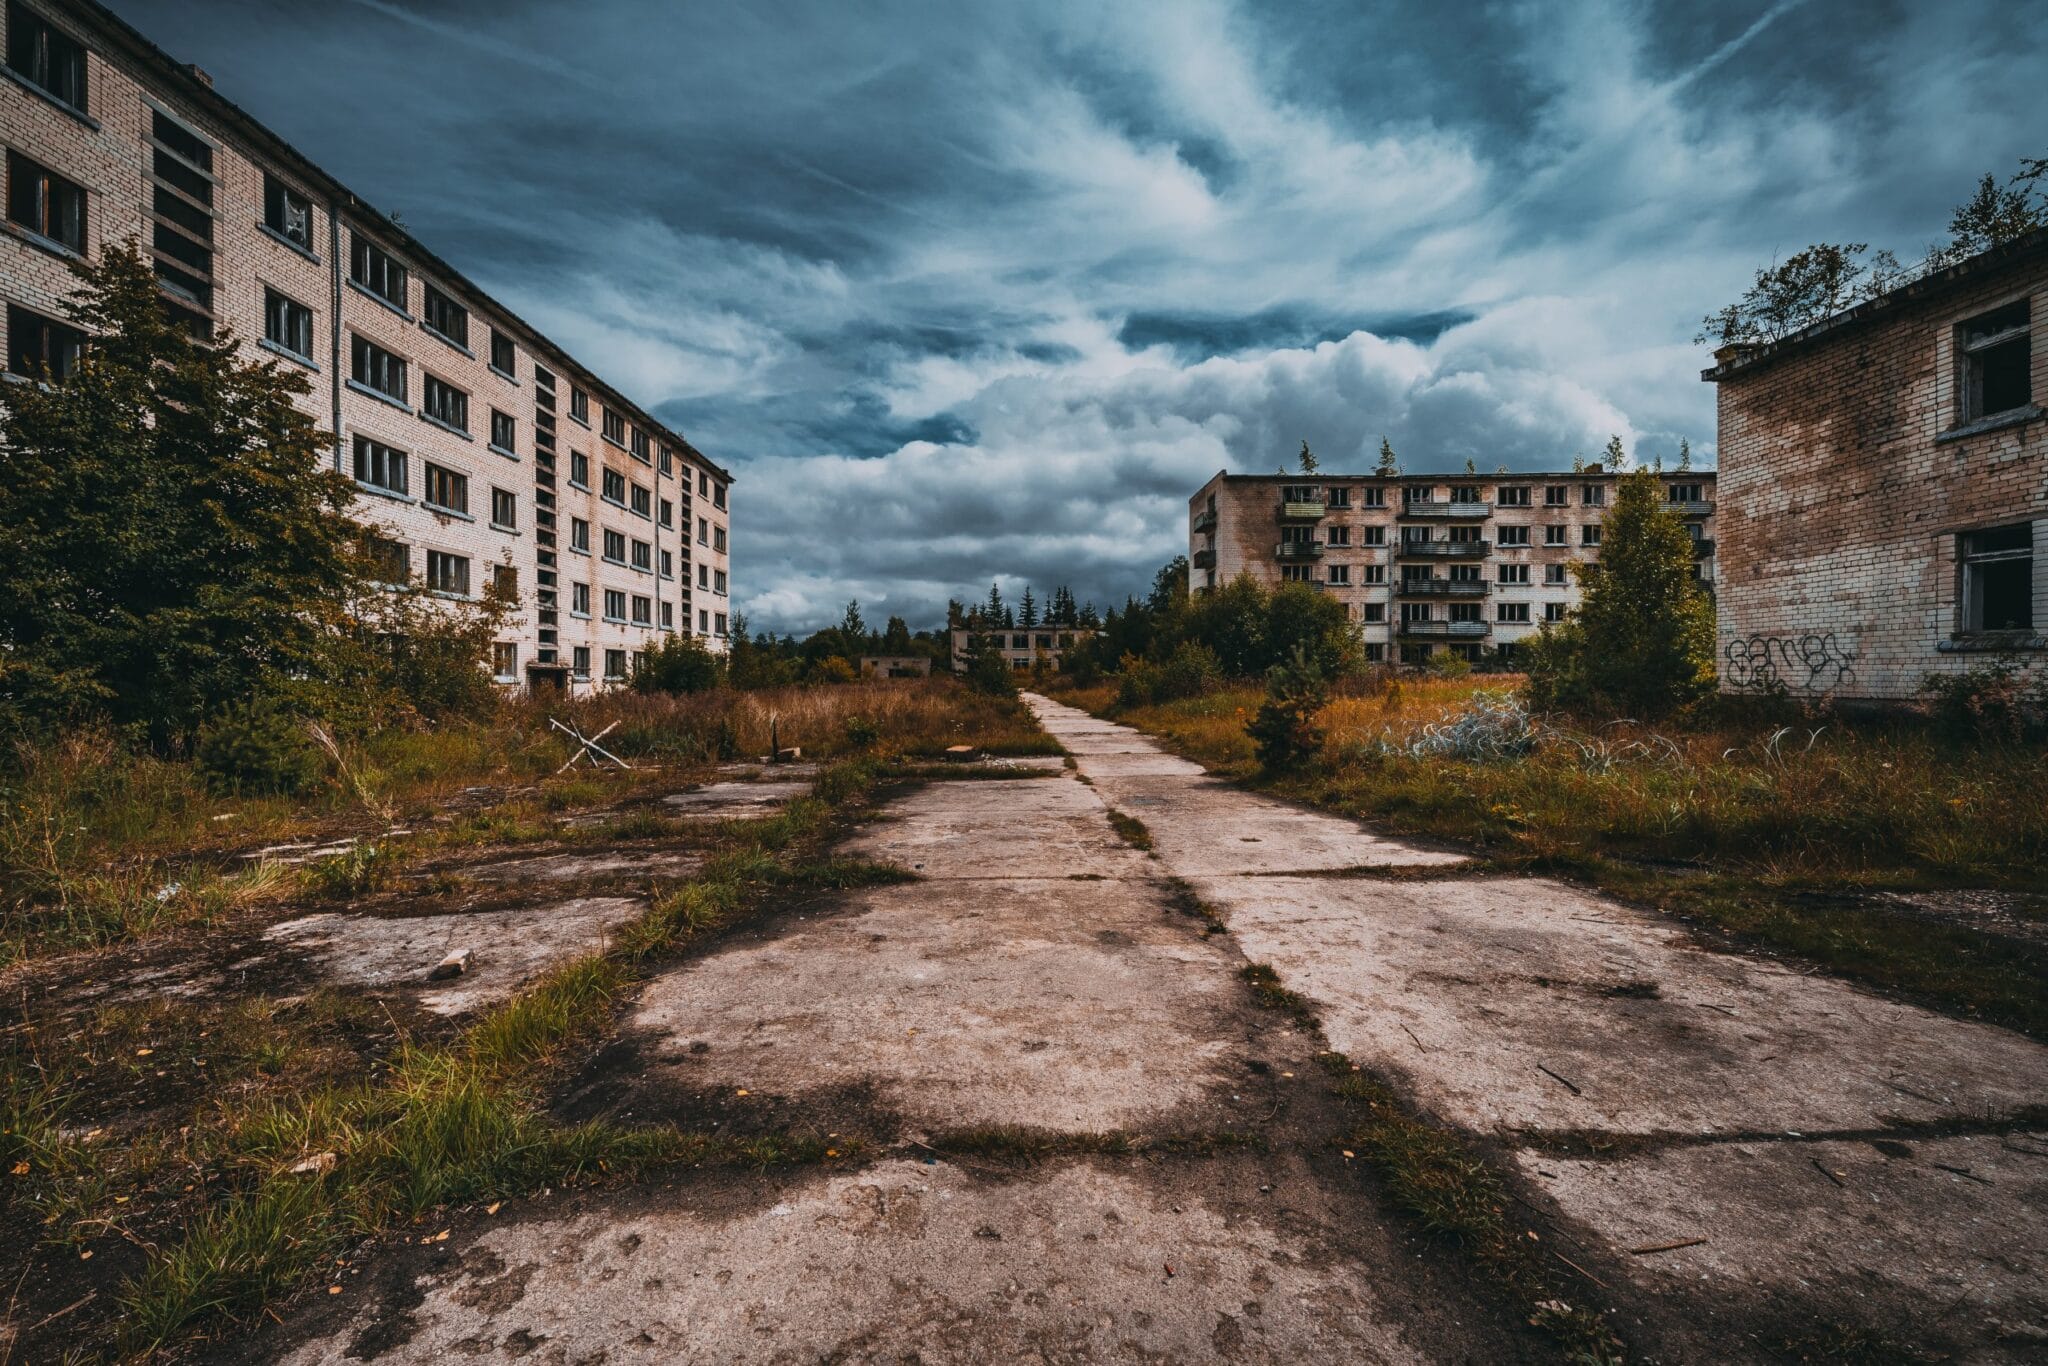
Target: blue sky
{"type": "Point", "coordinates": [968, 291]}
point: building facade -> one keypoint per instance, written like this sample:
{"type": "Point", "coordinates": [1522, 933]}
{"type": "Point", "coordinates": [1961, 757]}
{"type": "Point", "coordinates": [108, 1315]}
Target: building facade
{"type": "Point", "coordinates": [895, 666]}
{"type": "Point", "coordinates": [482, 452]}
{"type": "Point", "coordinates": [1885, 487]}
{"type": "Point", "coordinates": [1472, 564]}
{"type": "Point", "coordinates": [1023, 647]}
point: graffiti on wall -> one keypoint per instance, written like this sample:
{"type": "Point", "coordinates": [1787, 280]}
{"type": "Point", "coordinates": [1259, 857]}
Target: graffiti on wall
{"type": "Point", "coordinates": [1807, 663]}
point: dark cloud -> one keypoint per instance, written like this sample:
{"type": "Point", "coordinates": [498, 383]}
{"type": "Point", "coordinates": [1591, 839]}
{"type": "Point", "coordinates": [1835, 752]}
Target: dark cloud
{"type": "Point", "coordinates": [967, 290]}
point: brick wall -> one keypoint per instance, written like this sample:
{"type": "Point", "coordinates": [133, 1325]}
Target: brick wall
{"type": "Point", "coordinates": [1844, 488]}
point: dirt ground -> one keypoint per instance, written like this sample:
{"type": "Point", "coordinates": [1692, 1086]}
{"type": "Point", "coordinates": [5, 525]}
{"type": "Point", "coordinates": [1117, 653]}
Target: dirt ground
{"type": "Point", "coordinates": [1071, 1134]}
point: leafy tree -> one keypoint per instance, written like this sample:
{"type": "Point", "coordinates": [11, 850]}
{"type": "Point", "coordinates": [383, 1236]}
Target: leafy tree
{"type": "Point", "coordinates": [173, 543]}
{"type": "Point", "coordinates": [1308, 458]}
{"type": "Point", "coordinates": [1388, 466]}
{"type": "Point", "coordinates": [1807, 287]}
{"type": "Point", "coordinates": [1231, 621]}
{"type": "Point", "coordinates": [679, 664]}
{"type": "Point", "coordinates": [1615, 458]}
{"type": "Point", "coordinates": [1995, 214]}
{"type": "Point", "coordinates": [1302, 622]}
{"type": "Point", "coordinates": [1027, 611]}
{"type": "Point", "coordinates": [1169, 585]}
{"type": "Point", "coordinates": [1642, 640]}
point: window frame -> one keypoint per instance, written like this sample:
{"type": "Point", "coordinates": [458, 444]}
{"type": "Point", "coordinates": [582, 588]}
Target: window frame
{"type": "Point", "coordinates": [432, 386]}
{"type": "Point", "coordinates": [367, 452]}
{"type": "Point", "coordinates": [447, 558]}
{"type": "Point", "coordinates": [368, 262]}
{"type": "Point", "coordinates": [277, 203]}
{"type": "Point", "coordinates": [436, 300]}
{"type": "Point", "coordinates": [55, 47]}
{"type": "Point", "coordinates": [42, 225]}
{"type": "Point", "coordinates": [437, 478]}
{"type": "Point", "coordinates": [362, 347]}
{"type": "Point", "coordinates": [1971, 565]}
{"type": "Point", "coordinates": [271, 299]}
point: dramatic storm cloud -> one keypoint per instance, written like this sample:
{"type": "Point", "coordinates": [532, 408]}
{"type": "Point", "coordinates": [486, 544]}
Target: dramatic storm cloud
{"type": "Point", "coordinates": [968, 291]}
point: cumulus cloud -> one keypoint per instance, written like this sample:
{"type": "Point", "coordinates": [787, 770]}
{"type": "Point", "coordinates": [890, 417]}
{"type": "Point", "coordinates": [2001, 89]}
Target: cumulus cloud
{"type": "Point", "coordinates": [970, 290]}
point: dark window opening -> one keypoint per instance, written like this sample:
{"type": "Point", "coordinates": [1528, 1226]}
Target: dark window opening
{"type": "Point", "coordinates": [1998, 579]}
{"type": "Point", "coordinates": [287, 213]}
{"type": "Point", "coordinates": [287, 324]}
{"type": "Point", "coordinates": [45, 58]}
{"type": "Point", "coordinates": [45, 203]}
{"type": "Point", "coordinates": [41, 347]}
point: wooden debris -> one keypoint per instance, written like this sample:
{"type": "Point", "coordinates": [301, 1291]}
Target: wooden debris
{"type": "Point", "coordinates": [1665, 1247]}
{"type": "Point", "coordinates": [454, 965]}
{"type": "Point", "coordinates": [1560, 1080]}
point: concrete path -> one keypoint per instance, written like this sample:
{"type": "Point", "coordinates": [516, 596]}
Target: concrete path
{"type": "Point", "coordinates": [1044, 980]}
{"type": "Point", "coordinates": [1773, 1160]}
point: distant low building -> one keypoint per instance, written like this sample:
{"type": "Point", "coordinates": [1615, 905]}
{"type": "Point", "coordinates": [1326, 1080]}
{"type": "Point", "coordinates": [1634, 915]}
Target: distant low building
{"type": "Point", "coordinates": [895, 666]}
{"type": "Point", "coordinates": [1024, 647]}
{"type": "Point", "coordinates": [1884, 487]}
{"type": "Point", "coordinates": [1469, 563]}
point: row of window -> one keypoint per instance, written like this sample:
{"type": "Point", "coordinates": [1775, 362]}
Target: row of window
{"type": "Point", "coordinates": [1469, 613]}
{"type": "Point", "coordinates": [1505, 495]}
{"type": "Point", "coordinates": [1555, 534]}
{"type": "Point", "coordinates": [1340, 575]}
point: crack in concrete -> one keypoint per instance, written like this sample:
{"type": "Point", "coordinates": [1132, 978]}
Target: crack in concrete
{"type": "Point", "coordinates": [1599, 1145]}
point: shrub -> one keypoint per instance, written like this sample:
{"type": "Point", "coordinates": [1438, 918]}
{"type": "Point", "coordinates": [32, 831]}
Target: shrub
{"type": "Point", "coordinates": [1450, 664]}
{"type": "Point", "coordinates": [862, 733]}
{"type": "Point", "coordinates": [1284, 732]}
{"type": "Point", "coordinates": [987, 671]}
{"type": "Point", "coordinates": [1995, 702]}
{"type": "Point", "coordinates": [834, 669]}
{"type": "Point", "coordinates": [258, 747]}
{"type": "Point", "coordinates": [679, 664]}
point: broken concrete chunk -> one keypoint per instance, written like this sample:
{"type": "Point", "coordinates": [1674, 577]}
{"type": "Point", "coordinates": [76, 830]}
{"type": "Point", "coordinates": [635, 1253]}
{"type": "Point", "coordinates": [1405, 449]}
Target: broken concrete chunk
{"type": "Point", "coordinates": [317, 1165]}
{"type": "Point", "coordinates": [454, 965]}
{"type": "Point", "coordinates": [789, 754]}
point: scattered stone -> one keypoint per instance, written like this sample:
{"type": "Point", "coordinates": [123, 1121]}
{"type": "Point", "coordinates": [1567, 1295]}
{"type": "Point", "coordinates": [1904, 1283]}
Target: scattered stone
{"type": "Point", "coordinates": [454, 965]}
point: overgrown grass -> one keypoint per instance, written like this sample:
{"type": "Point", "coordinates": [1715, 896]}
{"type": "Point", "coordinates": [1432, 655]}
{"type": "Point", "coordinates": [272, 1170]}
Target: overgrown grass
{"type": "Point", "coordinates": [1451, 1192]}
{"type": "Point", "coordinates": [1130, 829]}
{"type": "Point", "coordinates": [462, 1122]}
{"type": "Point", "coordinates": [1761, 829]}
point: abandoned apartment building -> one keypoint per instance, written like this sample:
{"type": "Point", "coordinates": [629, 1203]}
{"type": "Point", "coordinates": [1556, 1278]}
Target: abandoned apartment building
{"type": "Point", "coordinates": [1468, 563]}
{"type": "Point", "coordinates": [1885, 474]}
{"type": "Point", "coordinates": [482, 452]}
{"type": "Point", "coordinates": [1022, 647]}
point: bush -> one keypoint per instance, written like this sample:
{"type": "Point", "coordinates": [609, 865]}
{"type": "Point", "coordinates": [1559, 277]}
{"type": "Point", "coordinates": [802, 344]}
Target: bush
{"type": "Point", "coordinates": [1995, 702]}
{"type": "Point", "coordinates": [680, 664]}
{"type": "Point", "coordinates": [258, 747]}
{"type": "Point", "coordinates": [861, 733]}
{"type": "Point", "coordinates": [987, 671]}
{"type": "Point", "coordinates": [1284, 732]}
{"type": "Point", "coordinates": [1450, 664]}
{"type": "Point", "coordinates": [834, 669]}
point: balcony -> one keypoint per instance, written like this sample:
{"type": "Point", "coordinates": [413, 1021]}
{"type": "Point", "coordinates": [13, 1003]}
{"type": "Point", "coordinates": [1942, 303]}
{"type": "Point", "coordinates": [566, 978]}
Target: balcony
{"type": "Point", "coordinates": [1691, 509]}
{"type": "Point", "coordinates": [1301, 512]}
{"type": "Point", "coordinates": [1431, 507]}
{"type": "Point", "coordinates": [1453, 630]}
{"type": "Point", "coordinates": [1448, 550]}
{"type": "Point", "coordinates": [1443, 588]}
{"type": "Point", "coordinates": [1203, 559]}
{"type": "Point", "coordinates": [1702, 548]}
{"type": "Point", "coordinates": [1204, 522]}
{"type": "Point", "coordinates": [1298, 550]}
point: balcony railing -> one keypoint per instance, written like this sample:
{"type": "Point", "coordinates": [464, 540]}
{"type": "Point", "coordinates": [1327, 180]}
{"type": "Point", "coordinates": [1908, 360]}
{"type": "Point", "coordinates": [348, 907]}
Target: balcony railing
{"type": "Point", "coordinates": [1703, 547]}
{"type": "Point", "coordinates": [1301, 512]}
{"type": "Point", "coordinates": [1443, 588]}
{"type": "Point", "coordinates": [1204, 521]}
{"type": "Point", "coordinates": [1456, 630]}
{"type": "Point", "coordinates": [1691, 509]}
{"type": "Point", "coordinates": [1203, 559]}
{"type": "Point", "coordinates": [1298, 550]}
{"type": "Point", "coordinates": [1449, 550]}
{"type": "Point", "coordinates": [1432, 507]}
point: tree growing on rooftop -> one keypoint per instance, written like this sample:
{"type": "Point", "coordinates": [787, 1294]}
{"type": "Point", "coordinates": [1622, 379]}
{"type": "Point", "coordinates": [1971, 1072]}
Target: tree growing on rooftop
{"type": "Point", "coordinates": [1308, 458]}
{"type": "Point", "coordinates": [1388, 466]}
{"type": "Point", "coordinates": [173, 540]}
{"type": "Point", "coordinates": [1642, 640]}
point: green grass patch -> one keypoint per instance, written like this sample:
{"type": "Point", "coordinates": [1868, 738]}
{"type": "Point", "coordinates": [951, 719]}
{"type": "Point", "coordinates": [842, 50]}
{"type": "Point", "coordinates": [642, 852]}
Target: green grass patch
{"type": "Point", "coordinates": [1131, 830]}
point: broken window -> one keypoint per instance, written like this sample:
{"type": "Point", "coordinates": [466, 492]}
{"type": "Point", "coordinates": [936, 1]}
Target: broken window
{"type": "Point", "coordinates": [444, 316]}
{"type": "Point", "coordinates": [1997, 578]}
{"type": "Point", "coordinates": [287, 213]}
{"type": "Point", "coordinates": [1514, 535]}
{"type": "Point", "coordinates": [1516, 497]}
{"type": "Point", "coordinates": [45, 58]}
{"type": "Point", "coordinates": [40, 347]}
{"type": "Point", "coordinates": [1340, 575]}
{"type": "Point", "coordinates": [504, 431]}
{"type": "Point", "coordinates": [447, 404]}
{"type": "Point", "coordinates": [1997, 362]}
{"type": "Point", "coordinates": [288, 324]}
{"type": "Point", "coordinates": [504, 356]}
{"type": "Point", "coordinates": [375, 270]}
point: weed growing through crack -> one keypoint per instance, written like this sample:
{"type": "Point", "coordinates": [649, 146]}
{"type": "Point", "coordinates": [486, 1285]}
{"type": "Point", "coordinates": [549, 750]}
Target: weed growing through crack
{"type": "Point", "coordinates": [1131, 830]}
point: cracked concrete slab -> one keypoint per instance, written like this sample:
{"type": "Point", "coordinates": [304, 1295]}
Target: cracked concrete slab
{"type": "Point", "coordinates": [510, 947]}
{"type": "Point", "coordinates": [1071, 1005]}
{"type": "Point", "coordinates": [1946, 1238]}
{"type": "Point", "coordinates": [1006, 828]}
{"type": "Point", "coordinates": [1470, 988]}
{"type": "Point", "coordinates": [577, 866]}
{"type": "Point", "coordinates": [737, 800]}
{"type": "Point", "coordinates": [904, 1261]}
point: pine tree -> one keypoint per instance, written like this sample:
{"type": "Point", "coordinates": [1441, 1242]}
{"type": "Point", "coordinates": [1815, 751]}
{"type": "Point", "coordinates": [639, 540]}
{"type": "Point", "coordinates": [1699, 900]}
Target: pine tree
{"type": "Point", "coordinates": [851, 624]}
{"type": "Point", "coordinates": [1684, 454]}
{"type": "Point", "coordinates": [1088, 619]}
{"type": "Point", "coordinates": [1470, 466]}
{"type": "Point", "coordinates": [993, 609]}
{"type": "Point", "coordinates": [1642, 640]}
{"type": "Point", "coordinates": [173, 540]}
{"type": "Point", "coordinates": [1308, 458]}
{"type": "Point", "coordinates": [1027, 612]}
{"type": "Point", "coordinates": [1388, 466]}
